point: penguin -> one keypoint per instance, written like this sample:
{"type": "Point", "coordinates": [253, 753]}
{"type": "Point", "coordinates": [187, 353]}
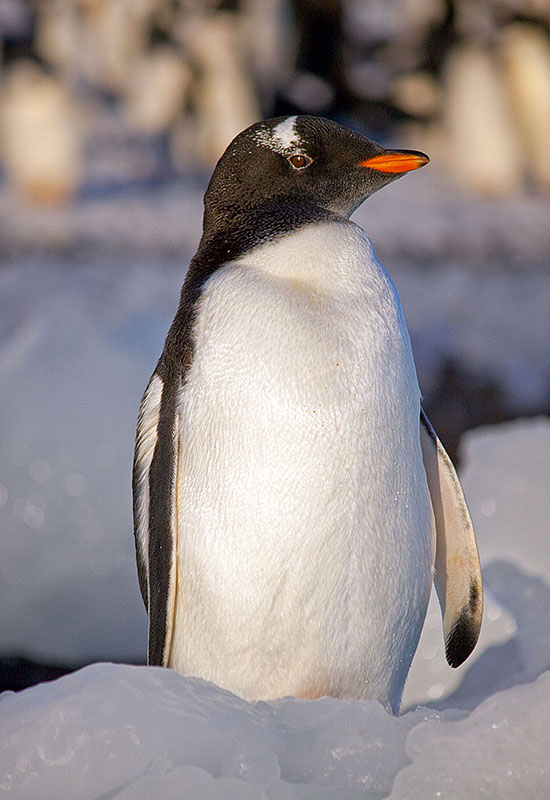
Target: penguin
{"type": "Point", "coordinates": [292, 502]}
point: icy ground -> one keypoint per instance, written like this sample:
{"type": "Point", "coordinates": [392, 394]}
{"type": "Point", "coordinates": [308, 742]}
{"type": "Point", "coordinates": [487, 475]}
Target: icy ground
{"type": "Point", "coordinates": [134, 733]}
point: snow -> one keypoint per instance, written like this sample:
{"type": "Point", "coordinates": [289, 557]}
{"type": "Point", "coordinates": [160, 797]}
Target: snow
{"type": "Point", "coordinates": [125, 732]}
{"type": "Point", "coordinates": [499, 751]}
{"type": "Point", "coordinates": [128, 732]}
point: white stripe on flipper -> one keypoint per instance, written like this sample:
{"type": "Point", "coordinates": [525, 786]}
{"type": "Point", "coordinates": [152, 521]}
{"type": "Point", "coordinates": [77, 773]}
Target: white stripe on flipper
{"type": "Point", "coordinates": [172, 585]}
{"type": "Point", "coordinates": [146, 440]}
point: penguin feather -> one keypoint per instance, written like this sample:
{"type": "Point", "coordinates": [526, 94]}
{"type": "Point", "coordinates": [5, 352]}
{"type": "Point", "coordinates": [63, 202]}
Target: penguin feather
{"type": "Point", "coordinates": [457, 570]}
{"type": "Point", "coordinates": [284, 529]}
{"type": "Point", "coordinates": [154, 478]}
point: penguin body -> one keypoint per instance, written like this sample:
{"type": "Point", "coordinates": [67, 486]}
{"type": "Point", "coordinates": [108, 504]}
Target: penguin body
{"type": "Point", "coordinates": [284, 527]}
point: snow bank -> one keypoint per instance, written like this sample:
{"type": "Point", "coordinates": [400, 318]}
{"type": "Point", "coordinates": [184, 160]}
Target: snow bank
{"type": "Point", "coordinates": [499, 751]}
{"type": "Point", "coordinates": [138, 732]}
{"type": "Point", "coordinates": [108, 726]}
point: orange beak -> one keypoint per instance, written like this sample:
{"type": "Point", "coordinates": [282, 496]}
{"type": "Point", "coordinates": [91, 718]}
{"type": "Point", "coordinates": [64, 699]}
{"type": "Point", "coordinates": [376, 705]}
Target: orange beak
{"type": "Point", "coordinates": [396, 161]}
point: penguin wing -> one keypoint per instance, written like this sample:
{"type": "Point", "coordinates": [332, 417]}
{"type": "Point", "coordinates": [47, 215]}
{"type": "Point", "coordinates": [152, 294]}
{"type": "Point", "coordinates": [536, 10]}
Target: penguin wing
{"type": "Point", "coordinates": [457, 570]}
{"type": "Point", "coordinates": [155, 513]}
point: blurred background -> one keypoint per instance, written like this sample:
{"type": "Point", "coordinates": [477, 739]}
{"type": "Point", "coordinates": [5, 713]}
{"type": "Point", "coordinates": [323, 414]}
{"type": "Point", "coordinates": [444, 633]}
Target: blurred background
{"type": "Point", "coordinates": [112, 115]}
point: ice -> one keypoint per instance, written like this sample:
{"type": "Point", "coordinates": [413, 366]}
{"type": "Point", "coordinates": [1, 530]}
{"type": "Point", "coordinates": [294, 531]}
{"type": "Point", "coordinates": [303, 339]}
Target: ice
{"type": "Point", "coordinates": [499, 751]}
{"type": "Point", "coordinates": [114, 729]}
{"type": "Point", "coordinates": [135, 732]}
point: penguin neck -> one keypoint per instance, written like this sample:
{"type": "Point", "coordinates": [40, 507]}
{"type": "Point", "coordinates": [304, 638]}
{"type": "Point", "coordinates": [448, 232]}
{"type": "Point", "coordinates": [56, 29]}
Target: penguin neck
{"type": "Point", "coordinates": [254, 222]}
{"type": "Point", "coordinates": [241, 229]}
{"type": "Point", "coordinates": [226, 238]}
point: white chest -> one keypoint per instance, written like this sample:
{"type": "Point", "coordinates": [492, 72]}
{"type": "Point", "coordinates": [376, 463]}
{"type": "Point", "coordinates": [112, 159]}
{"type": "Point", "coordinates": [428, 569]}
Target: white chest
{"type": "Point", "coordinates": [312, 317]}
{"type": "Point", "coordinates": [303, 512]}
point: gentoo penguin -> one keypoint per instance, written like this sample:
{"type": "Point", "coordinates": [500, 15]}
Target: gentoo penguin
{"type": "Point", "coordinates": [288, 487]}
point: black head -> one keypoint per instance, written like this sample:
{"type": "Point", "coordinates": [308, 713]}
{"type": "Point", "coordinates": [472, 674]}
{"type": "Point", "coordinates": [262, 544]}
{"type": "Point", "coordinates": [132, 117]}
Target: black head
{"type": "Point", "coordinates": [308, 160]}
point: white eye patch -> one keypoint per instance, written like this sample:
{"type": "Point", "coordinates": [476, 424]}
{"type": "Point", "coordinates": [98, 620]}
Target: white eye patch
{"type": "Point", "coordinates": [283, 138]}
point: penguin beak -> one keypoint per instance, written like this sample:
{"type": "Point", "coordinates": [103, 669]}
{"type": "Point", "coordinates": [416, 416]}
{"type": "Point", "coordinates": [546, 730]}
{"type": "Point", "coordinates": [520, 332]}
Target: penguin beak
{"type": "Point", "coordinates": [396, 161]}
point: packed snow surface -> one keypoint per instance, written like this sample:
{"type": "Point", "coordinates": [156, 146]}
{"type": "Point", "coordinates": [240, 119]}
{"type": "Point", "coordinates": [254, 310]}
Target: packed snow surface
{"type": "Point", "coordinates": [140, 732]}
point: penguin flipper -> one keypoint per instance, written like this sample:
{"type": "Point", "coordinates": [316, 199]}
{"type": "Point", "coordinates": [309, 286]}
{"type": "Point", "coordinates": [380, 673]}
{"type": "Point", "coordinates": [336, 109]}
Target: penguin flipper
{"type": "Point", "coordinates": [457, 570]}
{"type": "Point", "coordinates": [155, 513]}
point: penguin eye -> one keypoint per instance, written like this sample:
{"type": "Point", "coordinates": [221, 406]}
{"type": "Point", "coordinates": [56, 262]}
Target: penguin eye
{"type": "Point", "coordinates": [300, 160]}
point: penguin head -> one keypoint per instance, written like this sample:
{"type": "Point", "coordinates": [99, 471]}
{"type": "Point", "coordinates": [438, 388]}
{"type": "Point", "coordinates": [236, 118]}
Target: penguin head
{"type": "Point", "coordinates": [304, 159]}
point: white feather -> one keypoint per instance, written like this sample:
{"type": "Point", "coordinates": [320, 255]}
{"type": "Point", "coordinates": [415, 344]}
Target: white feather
{"type": "Point", "coordinates": [283, 138]}
{"type": "Point", "coordinates": [285, 133]}
{"type": "Point", "coordinates": [145, 447]}
{"type": "Point", "coordinates": [305, 535]}
{"type": "Point", "coordinates": [457, 569]}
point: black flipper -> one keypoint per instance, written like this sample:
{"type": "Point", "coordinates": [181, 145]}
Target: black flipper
{"type": "Point", "coordinates": [155, 509]}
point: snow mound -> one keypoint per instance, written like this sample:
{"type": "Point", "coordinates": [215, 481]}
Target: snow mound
{"type": "Point", "coordinates": [113, 727]}
{"type": "Point", "coordinates": [499, 751]}
{"type": "Point", "coordinates": [137, 732]}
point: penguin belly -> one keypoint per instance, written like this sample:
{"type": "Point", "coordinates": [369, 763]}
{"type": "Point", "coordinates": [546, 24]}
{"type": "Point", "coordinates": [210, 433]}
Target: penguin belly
{"type": "Point", "coordinates": [305, 541]}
